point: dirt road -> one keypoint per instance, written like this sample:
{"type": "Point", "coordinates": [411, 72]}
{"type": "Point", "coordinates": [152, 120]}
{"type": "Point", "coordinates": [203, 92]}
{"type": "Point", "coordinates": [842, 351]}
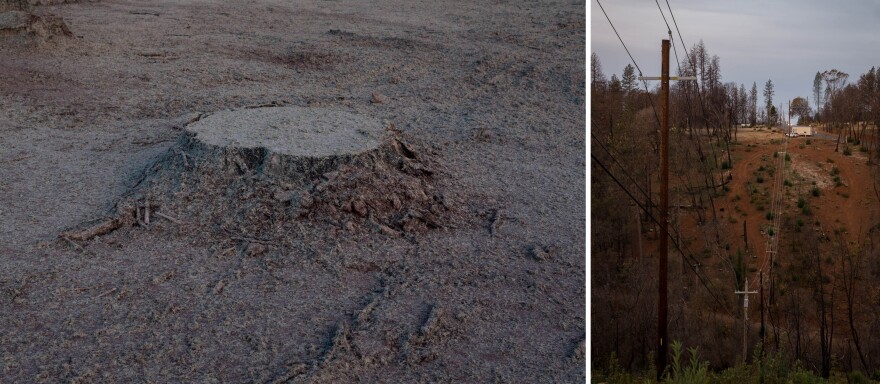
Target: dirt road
{"type": "Point", "coordinates": [493, 93]}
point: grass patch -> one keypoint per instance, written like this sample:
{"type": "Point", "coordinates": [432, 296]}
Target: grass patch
{"type": "Point", "coordinates": [806, 211]}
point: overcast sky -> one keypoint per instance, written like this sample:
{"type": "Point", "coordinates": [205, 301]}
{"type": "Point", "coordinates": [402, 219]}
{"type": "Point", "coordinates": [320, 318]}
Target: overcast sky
{"type": "Point", "coordinates": [786, 41]}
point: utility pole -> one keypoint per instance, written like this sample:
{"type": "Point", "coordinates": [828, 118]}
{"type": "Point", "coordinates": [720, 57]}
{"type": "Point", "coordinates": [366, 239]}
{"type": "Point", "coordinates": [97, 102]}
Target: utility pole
{"type": "Point", "coordinates": [662, 296]}
{"type": "Point", "coordinates": [745, 292]}
{"type": "Point", "coordinates": [637, 238]}
{"type": "Point", "coordinates": [761, 280]}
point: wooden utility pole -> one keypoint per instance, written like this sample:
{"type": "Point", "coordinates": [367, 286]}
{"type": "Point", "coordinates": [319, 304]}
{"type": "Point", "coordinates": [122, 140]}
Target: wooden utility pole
{"type": "Point", "coordinates": [662, 305]}
{"type": "Point", "coordinates": [763, 330]}
{"type": "Point", "coordinates": [662, 297]}
{"type": "Point", "coordinates": [745, 292]}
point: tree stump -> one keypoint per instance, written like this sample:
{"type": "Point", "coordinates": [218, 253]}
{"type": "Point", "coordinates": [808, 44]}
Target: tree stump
{"type": "Point", "coordinates": [254, 171]}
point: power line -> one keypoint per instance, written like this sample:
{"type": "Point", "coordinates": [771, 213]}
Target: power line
{"type": "Point", "coordinates": [593, 135]}
{"type": "Point", "coordinates": [669, 30]}
{"type": "Point", "coordinates": [703, 279]}
{"type": "Point", "coordinates": [628, 176]}
{"type": "Point", "coordinates": [618, 37]}
{"type": "Point", "coordinates": [653, 108]}
{"type": "Point", "coordinates": [656, 116]}
{"type": "Point", "coordinates": [687, 93]}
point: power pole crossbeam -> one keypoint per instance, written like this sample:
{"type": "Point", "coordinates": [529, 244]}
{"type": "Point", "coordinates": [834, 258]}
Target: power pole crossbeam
{"type": "Point", "coordinates": [745, 292]}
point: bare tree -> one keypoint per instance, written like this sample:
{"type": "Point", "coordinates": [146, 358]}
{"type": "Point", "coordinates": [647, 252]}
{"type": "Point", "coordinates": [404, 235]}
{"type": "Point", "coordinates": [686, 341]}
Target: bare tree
{"type": "Point", "coordinates": [834, 80]}
{"type": "Point", "coordinates": [817, 93]}
{"type": "Point", "coordinates": [800, 108]}
{"type": "Point", "coordinates": [851, 266]}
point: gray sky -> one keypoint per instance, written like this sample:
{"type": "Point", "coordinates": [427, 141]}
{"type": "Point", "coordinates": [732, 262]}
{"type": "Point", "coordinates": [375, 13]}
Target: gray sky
{"type": "Point", "coordinates": [787, 42]}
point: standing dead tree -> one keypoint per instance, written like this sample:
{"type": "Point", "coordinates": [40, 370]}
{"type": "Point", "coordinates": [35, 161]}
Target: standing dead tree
{"type": "Point", "coordinates": [834, 81]}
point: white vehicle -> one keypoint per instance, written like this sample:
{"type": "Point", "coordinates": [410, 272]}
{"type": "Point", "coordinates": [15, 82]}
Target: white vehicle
{"type": "Point", "coordinates": [791, 134]}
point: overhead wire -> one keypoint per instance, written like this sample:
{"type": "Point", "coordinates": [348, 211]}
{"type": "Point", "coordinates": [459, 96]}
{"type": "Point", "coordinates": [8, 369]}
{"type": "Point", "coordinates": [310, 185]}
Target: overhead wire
{"type": "Point", "coordinates": [645, 83]}
{"type": "Point", "coordinates": [631, 179]}
{"type": "Point", "coordinates": [701, 277]}
{"type": "Point", "coordinates": [703, 280]}
{"type": "Point", "coordinates": [707, 171]}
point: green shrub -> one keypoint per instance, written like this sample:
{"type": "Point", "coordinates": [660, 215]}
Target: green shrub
{"type": "Point", "coordinates": [847, 151]}
{"type": "Point", "coordinates": [835, 171]}
{"type": "Point", "coordinates": [775, 154]}
{"type": "Point", "coordinates": [856, 377]}
{"type": "Point", "coordinates": [787, 157]}
{"type": "Point", "coordinates": [725, 165]}
{"type": "Point", "coordinates": [800, 223]}
{"type": "Point", "coordinates": [806, 210]}
{"type": "Point", "coordinates": [801, 202]}
{"type": "Point", "coordinates": [787, 183]}
{"type": "Point", "coordinates": [759, 179]}
{"type": "Point", "coordinates": [816, 192]}
{"type": "Point", "coordinates": [808, 141]}
{"type": "Point", "coordinates": [696, 371]}
{"type": "Point", "coordinates": [769, 215]}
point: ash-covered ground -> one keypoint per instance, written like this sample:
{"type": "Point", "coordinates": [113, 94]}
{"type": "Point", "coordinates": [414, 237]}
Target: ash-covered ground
{"type": "Point", "coordinates": [490, 287]}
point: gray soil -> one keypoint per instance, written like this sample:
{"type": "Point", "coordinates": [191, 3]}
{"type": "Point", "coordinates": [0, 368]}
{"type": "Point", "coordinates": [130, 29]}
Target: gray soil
{"type": "Point", "coordinates": [454, 252]}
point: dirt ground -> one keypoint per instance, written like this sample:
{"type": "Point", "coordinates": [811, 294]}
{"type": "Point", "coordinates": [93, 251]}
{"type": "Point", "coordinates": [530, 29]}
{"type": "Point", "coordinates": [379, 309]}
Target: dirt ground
{"type": "Point", "coordinates": [493, 93]}
{"type": "Point", "coordinates": [848, 207]}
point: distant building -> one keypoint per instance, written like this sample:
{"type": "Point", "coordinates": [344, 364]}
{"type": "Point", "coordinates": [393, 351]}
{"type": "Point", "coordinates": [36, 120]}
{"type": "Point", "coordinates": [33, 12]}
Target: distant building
{"type": "Point", "coordinates": [802, 131]}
